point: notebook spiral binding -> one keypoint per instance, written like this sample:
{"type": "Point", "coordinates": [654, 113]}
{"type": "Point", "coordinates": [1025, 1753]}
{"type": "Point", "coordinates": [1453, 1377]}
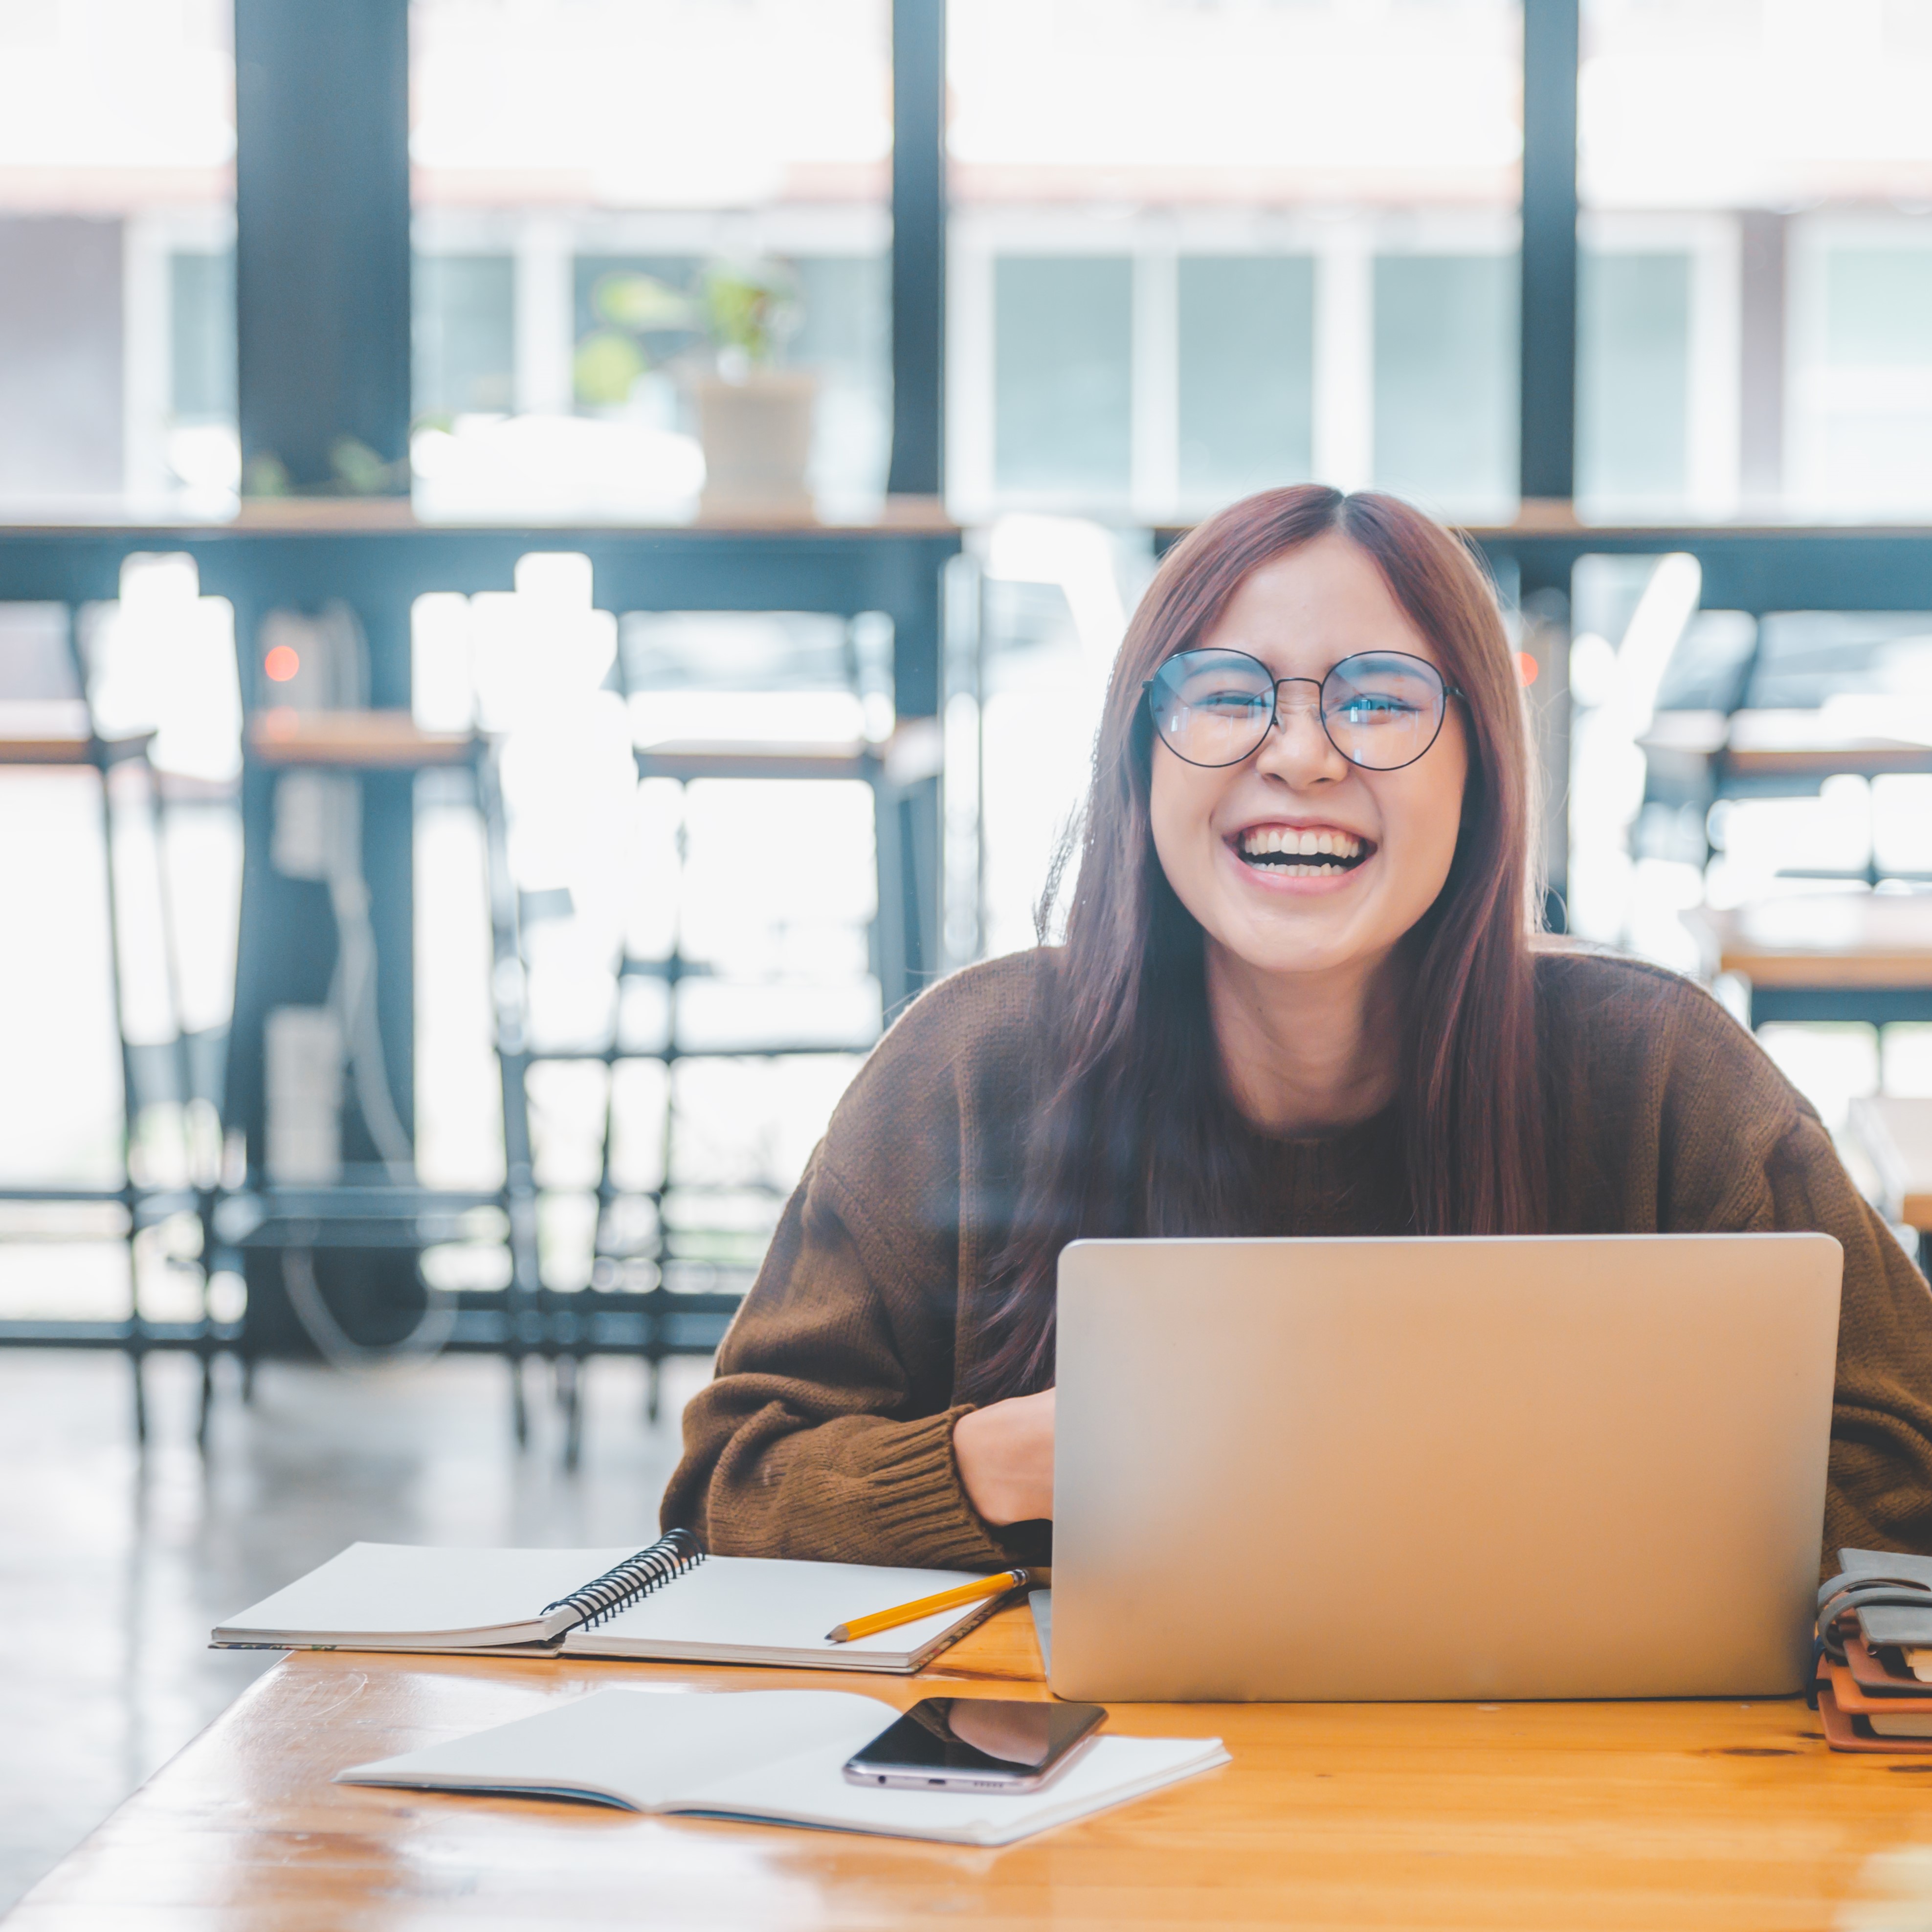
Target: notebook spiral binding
{"type": "Point", "coordinates": [674, 1552]}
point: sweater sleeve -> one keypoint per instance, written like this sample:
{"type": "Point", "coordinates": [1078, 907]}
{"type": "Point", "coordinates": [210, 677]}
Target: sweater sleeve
{"type": "Point", "coordinates": [827, 1432]}
{"type": "Point", "coordinates": [812, 1440]}
{"type": "Point", "coordinates": [1744, 1151]}
{"type": "Point", "coordinates": [1879, 1495]}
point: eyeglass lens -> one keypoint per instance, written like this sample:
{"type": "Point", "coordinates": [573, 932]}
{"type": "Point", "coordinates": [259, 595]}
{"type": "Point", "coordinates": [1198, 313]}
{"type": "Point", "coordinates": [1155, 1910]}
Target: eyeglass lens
{"type": "Point", "coordinates": [1381, 709]}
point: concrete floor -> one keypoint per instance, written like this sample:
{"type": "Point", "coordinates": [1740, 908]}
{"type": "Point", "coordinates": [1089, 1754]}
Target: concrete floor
{"type": "Point", "coordinates": [115, 1565]}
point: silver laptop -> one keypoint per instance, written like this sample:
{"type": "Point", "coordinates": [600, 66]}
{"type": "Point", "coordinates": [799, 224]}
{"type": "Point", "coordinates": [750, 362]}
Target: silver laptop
{"type": "Point", "coordinates": [1573, 1466]}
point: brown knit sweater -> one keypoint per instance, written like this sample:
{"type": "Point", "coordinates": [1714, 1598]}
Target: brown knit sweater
{"type": "Point", "coordinates": [828, 1431]}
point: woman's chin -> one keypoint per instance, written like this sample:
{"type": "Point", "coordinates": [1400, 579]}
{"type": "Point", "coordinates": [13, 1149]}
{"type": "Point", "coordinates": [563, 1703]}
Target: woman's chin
{"type": "Point", "coordinates": [1297, 935]}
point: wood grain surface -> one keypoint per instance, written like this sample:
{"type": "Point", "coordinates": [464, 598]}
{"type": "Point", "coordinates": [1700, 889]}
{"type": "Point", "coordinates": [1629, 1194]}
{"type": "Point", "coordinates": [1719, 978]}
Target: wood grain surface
{"type": "Point", "coordinates": [1658, 1815]}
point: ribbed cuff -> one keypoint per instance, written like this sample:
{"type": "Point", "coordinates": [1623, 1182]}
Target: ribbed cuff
{"type": "Point", "coordinates": [920, 1503]}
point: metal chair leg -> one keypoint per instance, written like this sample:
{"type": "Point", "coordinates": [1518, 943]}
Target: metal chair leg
{"type": "Point", "coordinates": [570, 1394]}
{"type": "Point", "coordinates": [520, 1413]}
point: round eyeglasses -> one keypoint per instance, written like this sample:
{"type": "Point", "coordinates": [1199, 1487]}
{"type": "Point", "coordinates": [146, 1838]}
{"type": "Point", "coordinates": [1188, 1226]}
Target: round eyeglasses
{"type": "Point", "coordinates": [1380, 709]}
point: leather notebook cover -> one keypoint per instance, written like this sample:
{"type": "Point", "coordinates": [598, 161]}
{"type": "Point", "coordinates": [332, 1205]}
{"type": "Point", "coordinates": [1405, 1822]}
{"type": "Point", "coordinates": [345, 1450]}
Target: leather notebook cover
{"type": "Point", "coordinates": [1905, 1626]}
{"type": "Point", "coordinates": [1851, 1698]}
{"type": "Point", "coordinates": [1843, 1732]}
{"type": "Point", "coordinates": [1884, 1563]}
{"type": "Point", "coordinates": [1872, 1675]}
{"type": "Point", "coordinates": [1896, 1624]}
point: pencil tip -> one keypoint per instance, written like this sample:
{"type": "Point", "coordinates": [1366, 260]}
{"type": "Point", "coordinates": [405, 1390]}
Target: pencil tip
{"type": "Point", "coordinates": [837, 1634]}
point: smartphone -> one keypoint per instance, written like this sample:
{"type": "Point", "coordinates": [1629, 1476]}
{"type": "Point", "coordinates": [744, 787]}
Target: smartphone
{"type": "Point", "coordinates": [976, 1744]}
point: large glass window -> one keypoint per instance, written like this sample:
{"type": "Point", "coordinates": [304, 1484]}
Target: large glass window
{"type": "Point", "coordinates": [579, 168]}
{"type": "Point", "coordinates": [1200, 249]}
{"type": "Point", "coordinates": [117, 340]}
{"type": "Point", "coordinates": [1063, 390]}
{"type": "Point", "coordinates": [1246, 355]}
{"type": "Point", "coordinates": [1757, 324]}
{"type": "Point", "coordinates": [1633, 394]}
{"type": "Point", "coordinates": [1860, 434]}
{"type": "Point", "coordinates": [466, 335]}
{"type": "Point", "coordinates": [1445, 366]}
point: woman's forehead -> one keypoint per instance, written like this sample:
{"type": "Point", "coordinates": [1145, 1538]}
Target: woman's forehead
{"type": "Point", "coordinates": [1322, 600]}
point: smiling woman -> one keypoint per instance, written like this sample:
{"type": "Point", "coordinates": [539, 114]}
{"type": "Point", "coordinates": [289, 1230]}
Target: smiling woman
{"type": "Point", "coordinates": [1300, 993]}
{"type": "Point", "coordinates": [1208, 994]}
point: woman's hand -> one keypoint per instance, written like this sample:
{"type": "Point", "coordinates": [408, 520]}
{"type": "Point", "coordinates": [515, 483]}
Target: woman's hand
{"type": "Point", "coordinates": [1005, 1455]}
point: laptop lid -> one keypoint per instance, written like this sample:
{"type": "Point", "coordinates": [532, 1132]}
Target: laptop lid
{"type": "Point", "coordinates": [1562, 1466]}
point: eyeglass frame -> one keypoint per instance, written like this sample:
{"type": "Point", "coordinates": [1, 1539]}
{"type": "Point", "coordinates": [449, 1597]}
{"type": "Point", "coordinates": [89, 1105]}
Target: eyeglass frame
{"type": "Point", "coordinates": [1449, 691]}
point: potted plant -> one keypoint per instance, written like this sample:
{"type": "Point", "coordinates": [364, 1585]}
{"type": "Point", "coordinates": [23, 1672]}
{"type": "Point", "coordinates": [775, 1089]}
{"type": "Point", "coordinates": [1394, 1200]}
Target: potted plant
{"type": "Point", "coordinates": [754, 419]}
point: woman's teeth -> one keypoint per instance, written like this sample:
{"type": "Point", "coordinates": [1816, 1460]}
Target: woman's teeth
{"type": "Point", "coordinates": [1281, 848]}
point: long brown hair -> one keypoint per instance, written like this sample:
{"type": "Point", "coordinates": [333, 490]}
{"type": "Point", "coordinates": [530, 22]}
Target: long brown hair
{"type": "Point", "coordinates": [1139, 1136]}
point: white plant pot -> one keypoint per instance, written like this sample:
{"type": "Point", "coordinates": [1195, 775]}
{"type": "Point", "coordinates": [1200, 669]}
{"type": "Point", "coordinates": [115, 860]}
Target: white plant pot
{"type": "Point", "coordinates": [757, 435]}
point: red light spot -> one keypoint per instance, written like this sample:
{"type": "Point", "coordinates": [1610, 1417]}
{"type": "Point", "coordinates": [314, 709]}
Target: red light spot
{"type": "Point", "coordinates": [282, 663]}
{"type": "Point", "coordinates": [1525, 666]}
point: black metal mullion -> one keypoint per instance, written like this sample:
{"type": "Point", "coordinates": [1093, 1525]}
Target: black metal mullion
{"type": "Point", "coordinates": [1548, 367]}
{"type": "Point", "coordinates": [919, 247]}
{"type": "Point", "coordinates": [322, 214]}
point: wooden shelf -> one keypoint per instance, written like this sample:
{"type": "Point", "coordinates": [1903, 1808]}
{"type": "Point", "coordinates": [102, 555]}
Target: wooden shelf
{"type": "Point", "coordinates": [1850, 939]}
{"type": "Point", "coordinates": [383, 516]}
{"type": "Point", "coordinates": [1780, 744]}
{"type": "Point", "coordinates": [354, 740]}
{"type": "Point", "coordinates": [691, 758]}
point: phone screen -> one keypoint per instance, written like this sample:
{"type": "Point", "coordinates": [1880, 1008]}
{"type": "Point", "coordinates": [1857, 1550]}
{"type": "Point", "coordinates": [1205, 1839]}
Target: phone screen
{"type": "Point", "coordinates": [975, 1740]}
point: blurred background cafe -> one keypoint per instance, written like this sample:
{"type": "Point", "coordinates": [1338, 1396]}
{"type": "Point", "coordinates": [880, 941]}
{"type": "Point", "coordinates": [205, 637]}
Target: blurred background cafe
{"type": "Point", "coordinates": [557, 560]}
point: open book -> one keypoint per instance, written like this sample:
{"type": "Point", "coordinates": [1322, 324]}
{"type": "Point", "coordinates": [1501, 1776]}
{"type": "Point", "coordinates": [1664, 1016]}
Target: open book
{"type": "Point", "coordinates": [671, 1602]}
{"type": "Point", "coordinates": [772, 1755]}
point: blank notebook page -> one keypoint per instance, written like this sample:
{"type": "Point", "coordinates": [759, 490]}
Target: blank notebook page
{"type": "Point", "coordinates": [756, 1603]}
{"type": "Point", "coordinates": [774, 1754]}
{"type": "Point", "coordinates": [647, 1748]}
{"type": "Point", "coordinates": [403, 1588]}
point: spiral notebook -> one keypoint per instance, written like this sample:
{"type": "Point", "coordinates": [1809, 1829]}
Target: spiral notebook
{"type": "Point", "coordinates": [670, 1603]}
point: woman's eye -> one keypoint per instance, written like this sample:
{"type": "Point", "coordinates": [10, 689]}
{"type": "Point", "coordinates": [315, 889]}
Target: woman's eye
{"type": "Point", "coordinates": [1373, 708]}
{"type": "Point", "coordinates": [1226, 700]}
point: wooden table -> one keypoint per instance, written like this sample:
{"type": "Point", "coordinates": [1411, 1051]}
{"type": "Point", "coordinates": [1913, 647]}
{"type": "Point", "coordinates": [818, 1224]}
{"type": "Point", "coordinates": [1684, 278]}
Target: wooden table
{"type": "Point", "coordinates": [1658, 1816]}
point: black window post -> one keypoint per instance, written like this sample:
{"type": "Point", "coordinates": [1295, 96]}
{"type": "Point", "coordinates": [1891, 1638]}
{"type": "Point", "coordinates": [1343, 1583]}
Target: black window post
{"type": "Point", "coordinates": [321, 217]}
{"type": "Point", "coordinates": [1547, 397]}
{"type": "Point", "coordinates": [919, 247]}
{"type": "Point", "coordinates": [323, 328]}
{"type": "Point", "coordinates": [1549, 345]}
{"type": "Point", "coordinates": [909, 824]}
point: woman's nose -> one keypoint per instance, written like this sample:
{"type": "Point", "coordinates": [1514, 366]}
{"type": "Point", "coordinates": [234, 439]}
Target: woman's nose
{"type": "Point", "coordinates": [1297, 748]}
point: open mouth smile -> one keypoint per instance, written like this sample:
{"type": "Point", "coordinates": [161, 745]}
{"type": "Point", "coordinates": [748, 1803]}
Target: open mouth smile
{"type": "Point", "coordinates": [1298, 852]}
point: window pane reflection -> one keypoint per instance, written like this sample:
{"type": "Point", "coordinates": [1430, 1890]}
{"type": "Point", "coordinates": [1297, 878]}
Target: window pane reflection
{"type": "Point", "coordinates": [1757, 308]}
{"type": "Point", "coordinates": [578, 164]}
{"type": "Point", "coordinates": [1184, 241]}
{"type": "Point", "coordinates": [117, 344]}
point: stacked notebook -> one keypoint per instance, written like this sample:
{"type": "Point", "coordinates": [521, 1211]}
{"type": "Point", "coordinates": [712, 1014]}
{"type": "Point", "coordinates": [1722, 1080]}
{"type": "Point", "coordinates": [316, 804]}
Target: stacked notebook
{"type": "Point", "coordinates": [1875, 1666]}
{"type": "Point", "coordinates": [771, 1756]}
{"type": "Point", "coordinates": [670, 1603]}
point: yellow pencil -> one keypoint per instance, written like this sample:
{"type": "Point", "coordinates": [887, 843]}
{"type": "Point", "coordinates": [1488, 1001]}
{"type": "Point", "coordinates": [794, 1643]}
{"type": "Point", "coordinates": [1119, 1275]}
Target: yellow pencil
{"type": "Point", "coordinates": [927, 1607]}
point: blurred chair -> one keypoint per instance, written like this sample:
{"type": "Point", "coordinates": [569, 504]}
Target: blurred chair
{"type": "Point", "coordinates": [47, 734]}
{"type": "Point", "coordinates": [1770, 707]}
{"type": "Point", "coordinates": [1896, 1137]}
